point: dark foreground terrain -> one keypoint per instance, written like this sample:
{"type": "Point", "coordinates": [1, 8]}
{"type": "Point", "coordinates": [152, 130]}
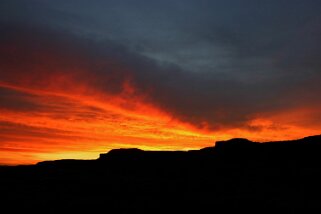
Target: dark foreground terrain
{"type": "Point", "coordinates": [234, 176]}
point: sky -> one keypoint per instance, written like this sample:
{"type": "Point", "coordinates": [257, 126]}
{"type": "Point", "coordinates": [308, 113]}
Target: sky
{"type": "Point", "coordinates": [81, 77]}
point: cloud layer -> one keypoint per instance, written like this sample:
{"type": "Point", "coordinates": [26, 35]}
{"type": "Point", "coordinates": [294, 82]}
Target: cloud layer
{"type": "Point", "coordinates": [191, 71]}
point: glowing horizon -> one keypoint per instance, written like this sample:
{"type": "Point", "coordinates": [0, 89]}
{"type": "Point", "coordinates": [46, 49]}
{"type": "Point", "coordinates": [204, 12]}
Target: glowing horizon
{"type": "Point", "coordinates": [82, 127]}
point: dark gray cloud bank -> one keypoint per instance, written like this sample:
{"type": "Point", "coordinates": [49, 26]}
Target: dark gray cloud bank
{"type": "Point", "coordinates": [218, 62]}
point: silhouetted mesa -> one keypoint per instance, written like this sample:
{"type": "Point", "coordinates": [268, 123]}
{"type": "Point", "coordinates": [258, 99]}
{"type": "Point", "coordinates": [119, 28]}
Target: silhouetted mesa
{"type": "Point", "coordinates": [234, 175]}
{"type": "Point", "coordinates": [238, 149]}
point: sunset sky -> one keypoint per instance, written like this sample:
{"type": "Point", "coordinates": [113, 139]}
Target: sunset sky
{"type": "Point", "coordinates": [81, 77]}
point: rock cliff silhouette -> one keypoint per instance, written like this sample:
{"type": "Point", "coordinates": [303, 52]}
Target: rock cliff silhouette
{"type": "Point", "coordinates": [232, 176]}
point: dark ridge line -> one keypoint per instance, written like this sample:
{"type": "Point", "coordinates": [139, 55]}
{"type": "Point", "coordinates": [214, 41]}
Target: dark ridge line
{"type": "Point", "coordinates": [234, 145]}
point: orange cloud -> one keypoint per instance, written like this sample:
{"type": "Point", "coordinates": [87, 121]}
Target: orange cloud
{"type": "Point", "coordinates": [74, 125]}
{"type": "Point", "coordinates": [81, 124]}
